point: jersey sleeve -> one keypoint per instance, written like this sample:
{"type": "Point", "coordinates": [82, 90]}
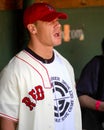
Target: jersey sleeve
{"type": "Point", "coordinates": [88, 80]}
{"type": "Point", "coordinates": [9, 99]}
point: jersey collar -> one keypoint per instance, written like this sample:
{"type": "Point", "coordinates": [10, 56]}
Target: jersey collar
{"type": "Point", "coordinates": [47, 61]}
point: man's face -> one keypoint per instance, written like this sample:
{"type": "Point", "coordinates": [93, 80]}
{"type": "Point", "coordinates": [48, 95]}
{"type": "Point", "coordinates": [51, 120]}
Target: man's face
{"type": "Point", "coordinates": [49, 33]}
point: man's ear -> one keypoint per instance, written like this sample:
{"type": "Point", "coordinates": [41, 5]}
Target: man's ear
{"type": "Point", "coordinates": [31, 28]}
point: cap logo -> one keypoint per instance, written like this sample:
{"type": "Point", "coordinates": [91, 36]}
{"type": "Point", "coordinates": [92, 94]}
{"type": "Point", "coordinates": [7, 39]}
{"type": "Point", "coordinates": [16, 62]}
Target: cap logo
{"type": "Point", "coordinates": [50, 8]}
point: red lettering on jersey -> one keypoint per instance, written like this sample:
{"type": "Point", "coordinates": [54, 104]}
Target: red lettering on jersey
{"type": "Point", "coordinates": [33, 94]}
{"type": "Point", "coordinates": [28, 103]}
{"type": "Point", "coordinates": [37, 94]}
{"type": "Point", "coordinates": [40, 92]}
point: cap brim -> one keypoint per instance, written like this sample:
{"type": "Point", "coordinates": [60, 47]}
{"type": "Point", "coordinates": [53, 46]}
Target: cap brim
{"type": "Point", "coordinates": [54, 15]}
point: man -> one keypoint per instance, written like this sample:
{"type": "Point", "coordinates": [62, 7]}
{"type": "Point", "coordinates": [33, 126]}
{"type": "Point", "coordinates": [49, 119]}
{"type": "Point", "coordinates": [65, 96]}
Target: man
{"type": "Point", "coordinates": [37, 87]}
{"type": "Point", "coordinates": [90, 89]}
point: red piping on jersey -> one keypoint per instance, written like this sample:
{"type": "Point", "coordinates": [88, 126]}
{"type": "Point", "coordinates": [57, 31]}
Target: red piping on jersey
{"type": "Point", "coordinates": [9, 117]}
{"type": "Point", "coordinates": [35, 68]}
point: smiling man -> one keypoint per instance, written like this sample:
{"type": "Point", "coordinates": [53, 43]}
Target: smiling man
{"type": "Point", "coordinates": [37, 87]}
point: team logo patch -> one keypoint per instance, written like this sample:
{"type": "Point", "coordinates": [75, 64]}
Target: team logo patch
{"type": "Point", "coordinates": [63, 99]}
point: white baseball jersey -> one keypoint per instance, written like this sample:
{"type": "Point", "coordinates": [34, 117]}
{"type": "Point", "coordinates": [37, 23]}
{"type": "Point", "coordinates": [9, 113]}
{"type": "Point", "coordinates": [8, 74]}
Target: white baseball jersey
{"type": "Point", "coordinates": [28, 90]}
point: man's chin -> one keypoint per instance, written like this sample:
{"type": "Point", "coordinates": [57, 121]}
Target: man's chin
{"type": "Point", "coordinates": [58, 43]}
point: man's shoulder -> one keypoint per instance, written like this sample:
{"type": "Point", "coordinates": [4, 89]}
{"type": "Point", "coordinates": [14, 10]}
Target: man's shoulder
{"type": "Point", "coordinates": [59, 54]}
{"type": "Point", "coordinates": [96, 58]}
{"type": "Point", "coordinates": [93, 62]}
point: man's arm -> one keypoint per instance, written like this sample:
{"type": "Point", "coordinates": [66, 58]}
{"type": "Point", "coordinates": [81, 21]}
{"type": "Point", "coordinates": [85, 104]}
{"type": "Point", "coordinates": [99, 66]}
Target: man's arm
{"type": "Point", "coordinates": [89, 102]}
{"type": "Point", "coordinates": [7, 124]}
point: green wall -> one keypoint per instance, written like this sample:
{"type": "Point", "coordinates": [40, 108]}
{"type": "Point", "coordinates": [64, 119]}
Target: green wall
{"type": "Point", "coordinates": [10, 24]}
{"type": "Point", "coordinates": [80, 52]}
{"type": "Point", "coordinates": [12, 37]}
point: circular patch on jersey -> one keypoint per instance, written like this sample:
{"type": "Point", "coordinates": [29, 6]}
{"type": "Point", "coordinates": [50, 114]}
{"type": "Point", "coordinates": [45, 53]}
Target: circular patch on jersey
{"type": "Point", "coordinates": [63, 99]}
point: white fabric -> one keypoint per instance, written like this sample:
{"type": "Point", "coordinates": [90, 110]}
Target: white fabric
{"type": "Point", "coordinates": [63, 95]}
{"type": "Point", "coordinates": [23, 75]}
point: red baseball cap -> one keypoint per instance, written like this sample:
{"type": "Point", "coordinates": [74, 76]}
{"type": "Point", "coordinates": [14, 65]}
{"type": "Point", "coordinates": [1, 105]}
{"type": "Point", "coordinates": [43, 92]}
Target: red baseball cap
{"type": "Point", "coordinates": [41, 11]}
